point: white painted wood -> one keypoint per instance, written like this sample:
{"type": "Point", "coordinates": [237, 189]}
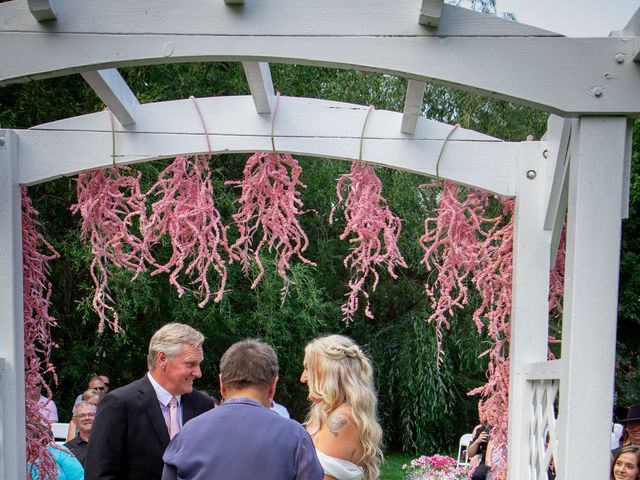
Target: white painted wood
{"type": "Point", "coordinates": [114, 92]}
{"type": "Point", "coordinates": [591, 293]}
{"type": "Point", "coordinates": [261, 18]}
{"type": "Point", "coordinates": [384, 40]}
{"type": "Point", "coordinates": [261, 85]}
{"type": "Point", "coordinates": [558, 134]}
{"type": "Point", "coordinates": [430, 13]}
{"type": "Point", "coordinates": [633, 26]}
{"type": "Point", "coordinates": [529, 318]}
{"type": "Point", "coordinates": [12, 438]}
{"type": "Point", "coordinates": [412, 106]}
{"type": "Point", "coordinates": [626, 180]}
{"type": "Point", "coordinates": [549, 370]}
{"type": "Point", "coordinates": [304, 126]}
{"type": "Point", "coordinates": [43, 10]}
{"type": "Point", "coordinates": [469, 63]}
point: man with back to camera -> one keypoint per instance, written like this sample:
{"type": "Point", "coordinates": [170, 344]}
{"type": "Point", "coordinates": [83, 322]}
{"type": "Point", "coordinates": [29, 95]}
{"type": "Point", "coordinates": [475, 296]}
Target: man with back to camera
{"type": "Point", "coordinates": [243, 438]}
{"type": "Point", "coordinates": [134, 423]}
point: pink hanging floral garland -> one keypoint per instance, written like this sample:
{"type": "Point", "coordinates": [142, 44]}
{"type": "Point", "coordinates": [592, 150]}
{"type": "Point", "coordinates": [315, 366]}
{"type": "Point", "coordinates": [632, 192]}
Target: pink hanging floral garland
{"type": "Point", "coordinates": [185, 210]}
{"type": "Point", "coordinates": [36, 253]}
{"type": "Point", "coordinates": [110, 203]}
{"type": "Point", "coordinates": [467, 244]}
{"type": "Point", "coordinates": [374, 229]}
{"type": "Point", "coordinates": [270, 201]}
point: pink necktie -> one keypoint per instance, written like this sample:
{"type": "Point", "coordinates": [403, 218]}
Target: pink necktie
{"type": "Point", "coordinates": [174, 426]}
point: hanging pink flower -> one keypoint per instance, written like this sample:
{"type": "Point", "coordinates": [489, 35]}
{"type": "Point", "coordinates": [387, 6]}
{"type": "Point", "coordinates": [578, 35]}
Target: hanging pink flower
{"type": "Point", "coordinates": [110, 203]}
{"type": "Point", "coordinates": [270, 202]}
{"type": "Point", "coordinates": [185, 210]}
{"type": "Point", "coordinates": [374, 229]}
{"type": "Point", "coordinates": [36, 253]}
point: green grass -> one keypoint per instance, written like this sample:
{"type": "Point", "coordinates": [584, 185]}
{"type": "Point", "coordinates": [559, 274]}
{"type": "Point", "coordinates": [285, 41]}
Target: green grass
{"type": "Point", "coordinates": [391, 468]}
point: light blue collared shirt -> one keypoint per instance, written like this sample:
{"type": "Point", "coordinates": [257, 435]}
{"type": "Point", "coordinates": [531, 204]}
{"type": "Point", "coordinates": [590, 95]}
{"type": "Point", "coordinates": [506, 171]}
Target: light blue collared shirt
{"type": "Point", "coordinates": [164, 398]}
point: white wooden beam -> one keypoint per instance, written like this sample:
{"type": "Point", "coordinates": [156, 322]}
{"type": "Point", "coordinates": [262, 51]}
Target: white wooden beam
{"type": "Point", "coordinates": [430, 13]}
{"type": "Point", "coordinates": [591, 295]}
{"type": "Point", "coordinates": [43, 10]}
{"type": "Point", "coordinates": [550, 370]}
{"type": "Point", "coordinates": [387, 40]}
{"type": "Point", "coordinates": [558, 135]}
{"type": "Point", "coordinates": [305, 126]}
{"type": "Point", "coordinates": [530, 311]}
{"type": "Point", "coordinates": [114, 92]}
{"type": "Point", "coordinates": [261, 85]}
{"type": "Point", "coordinates": [412, 106]}
{"type": "Point", "coordinates": [12, 429]}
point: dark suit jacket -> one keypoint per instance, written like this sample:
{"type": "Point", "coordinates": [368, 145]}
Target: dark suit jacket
{"type": "Point", "coordinates": [129, 434]}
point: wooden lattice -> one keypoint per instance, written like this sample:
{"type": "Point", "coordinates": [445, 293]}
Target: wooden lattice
{"type": "Point", "coordinates": [543, 422]}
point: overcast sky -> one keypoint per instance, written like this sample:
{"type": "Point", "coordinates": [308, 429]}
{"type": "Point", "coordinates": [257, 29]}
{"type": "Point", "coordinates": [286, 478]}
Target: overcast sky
{"type": "Point", "coordinates": [573, 18]}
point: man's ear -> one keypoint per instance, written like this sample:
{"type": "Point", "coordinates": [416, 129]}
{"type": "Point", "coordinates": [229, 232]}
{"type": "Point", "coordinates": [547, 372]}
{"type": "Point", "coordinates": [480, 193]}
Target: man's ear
{"type": "Point", "coordinates": [223, 388]}
{"type": "Point", "coordinates": [272, 388]}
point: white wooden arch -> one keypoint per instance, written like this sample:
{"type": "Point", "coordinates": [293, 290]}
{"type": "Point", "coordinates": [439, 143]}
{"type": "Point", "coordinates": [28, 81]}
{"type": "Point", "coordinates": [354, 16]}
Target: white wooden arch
{"type": "Point", "coordinates": [580, 164]}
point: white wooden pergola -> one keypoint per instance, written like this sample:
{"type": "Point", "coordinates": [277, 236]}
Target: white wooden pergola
{"type": "Point", "coordinates": [581, 165]}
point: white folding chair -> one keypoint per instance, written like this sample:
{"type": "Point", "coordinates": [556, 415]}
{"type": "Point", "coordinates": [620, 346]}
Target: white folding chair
{"type": "Point", "coordinates": [60, 432]}
{"type": "Point", "coordinates": [464, 442]}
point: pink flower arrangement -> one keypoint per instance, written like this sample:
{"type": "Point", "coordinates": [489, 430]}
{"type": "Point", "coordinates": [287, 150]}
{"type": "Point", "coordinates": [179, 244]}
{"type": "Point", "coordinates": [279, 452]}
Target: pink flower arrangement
{"type": "Point", "coordinates": [437, 467]}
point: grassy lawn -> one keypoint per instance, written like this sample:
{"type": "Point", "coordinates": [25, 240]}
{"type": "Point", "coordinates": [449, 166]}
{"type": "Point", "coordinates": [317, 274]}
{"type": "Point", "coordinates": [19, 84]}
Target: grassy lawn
{"type": "Point", "coordinates": [391, 468]}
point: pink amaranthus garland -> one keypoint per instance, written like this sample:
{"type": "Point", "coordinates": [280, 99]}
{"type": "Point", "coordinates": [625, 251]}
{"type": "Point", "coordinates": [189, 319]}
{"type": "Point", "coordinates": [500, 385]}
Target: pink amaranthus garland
{"type": "Point", "coordinates": [375, 231]}
{"type": "Point", "coordinates": [270, 200]}
{"type": "Point", "coordinates": [36, 253]}
{"type": "Point", "coordinates": [110, 203]}
{"type": "Point", "coordinates": [185, 210]}
{"type": "Point", "coordinates": [468, 244]}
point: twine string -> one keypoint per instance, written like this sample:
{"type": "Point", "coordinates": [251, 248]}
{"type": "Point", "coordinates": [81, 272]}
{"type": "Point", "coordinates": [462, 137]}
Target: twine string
{"type": "Point", "coordinates": [364, 127]}
{"type": "Point", "coordinates": [446, 139]}
{"type": "Point", "coordinates": [273, 122]}
{"type": "Point", "coordinates": [204, 126]}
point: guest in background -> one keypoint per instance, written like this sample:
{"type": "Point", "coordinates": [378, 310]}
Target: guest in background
{"type": "Point", "coordinates": [68, 466]}
{"type": "Point", "coordinates": [280, 409]}
{"type": "Point", "coordinates": [95, 383]}
{"type": "Point", "coordinates": [47, 407]}
{"type": "Point", "coordinates": [480, 451]}
{"type": "Point", "coordinates": [631, 434]}
{"type": "Point", "coordinates": [83, 415]}
{"type": "Point", "coordinates": [106, 382]}
{"type": "Point", "coordinates": [625, 464]}
{"type": "Point", "coordinates": [91, 396]}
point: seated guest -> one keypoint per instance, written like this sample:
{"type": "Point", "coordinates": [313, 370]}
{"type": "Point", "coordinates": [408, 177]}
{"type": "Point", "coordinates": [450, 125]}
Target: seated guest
{"type": "Point", "coordinates": [625, 464]}
{"type": "Point", "coordinates": [242, 438]}
{"type": "Point", "coordinates": [68, 466]}
{"type": "Point", "coordinates": [91, 396]}
{"type": "Point", "coordinates": [47, 407]}
{"type": "Point", "coordinates": [631, 434]}
{"type": "Point", "coordinates": [95, 383]}
{"type": "Point", "coordinates": [83, 415]}
{"type": "Point", "coordinates": [106, 382]}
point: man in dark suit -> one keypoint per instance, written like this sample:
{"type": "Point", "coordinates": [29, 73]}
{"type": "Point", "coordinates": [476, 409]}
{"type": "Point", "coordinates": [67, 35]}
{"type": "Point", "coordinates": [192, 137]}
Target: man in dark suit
{"type": "Point", "coordinates": [134, 423]}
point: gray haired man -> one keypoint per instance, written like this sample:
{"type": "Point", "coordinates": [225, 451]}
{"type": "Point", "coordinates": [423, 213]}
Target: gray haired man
{"type": "Point", "coordinates": [135, 422]}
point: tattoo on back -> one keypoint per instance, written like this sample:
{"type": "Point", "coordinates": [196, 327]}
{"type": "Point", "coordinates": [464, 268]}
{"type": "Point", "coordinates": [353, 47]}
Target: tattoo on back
{"type": "Point", "coordinates": [336, 421]}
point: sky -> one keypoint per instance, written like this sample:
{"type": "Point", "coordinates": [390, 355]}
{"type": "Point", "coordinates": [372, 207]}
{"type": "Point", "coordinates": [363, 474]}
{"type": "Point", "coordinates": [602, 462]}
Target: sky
{"type": "Point", "coordinates": [573, 18]}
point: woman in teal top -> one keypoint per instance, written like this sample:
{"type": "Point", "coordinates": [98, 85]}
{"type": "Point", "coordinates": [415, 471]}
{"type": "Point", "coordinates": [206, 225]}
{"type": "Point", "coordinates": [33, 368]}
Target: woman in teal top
{"type": "Point", "coordinates": [69, 467]}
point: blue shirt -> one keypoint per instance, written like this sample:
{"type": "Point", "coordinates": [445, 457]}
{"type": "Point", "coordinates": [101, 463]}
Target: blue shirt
{"type": "Point", "coordinates": [239, 440]}
{"type": "Point", "coordinates": [69, 467]}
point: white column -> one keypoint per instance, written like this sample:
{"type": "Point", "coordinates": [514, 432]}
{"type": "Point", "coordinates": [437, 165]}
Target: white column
{"type": "Point", "coordinates": [529, 318]}
{"type": "Point", "coordinates": [591, 297]}
{"type": "Point", "coordinates": [12, 431]}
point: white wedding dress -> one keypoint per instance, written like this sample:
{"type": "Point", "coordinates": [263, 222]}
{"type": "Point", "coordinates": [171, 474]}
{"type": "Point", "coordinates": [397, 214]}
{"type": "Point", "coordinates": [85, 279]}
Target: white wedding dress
{"type": "Point", "coordinates": [339, 468]}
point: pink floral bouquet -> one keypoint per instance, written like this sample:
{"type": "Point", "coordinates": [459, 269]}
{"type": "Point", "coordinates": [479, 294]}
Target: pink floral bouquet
{"type": "Point", "coordinates": [437, 467]}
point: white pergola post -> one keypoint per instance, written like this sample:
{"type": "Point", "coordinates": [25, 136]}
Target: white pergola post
{"type": "Point", "coordinates": [591, 297]}
{"type": "Point", "coordinates": [529, 318]}
{"type": "Point", "coordinates": [12, 430]}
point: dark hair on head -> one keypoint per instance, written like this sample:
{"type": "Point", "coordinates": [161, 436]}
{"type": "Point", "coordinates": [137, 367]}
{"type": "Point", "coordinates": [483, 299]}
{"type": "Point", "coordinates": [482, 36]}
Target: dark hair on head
{"type": "Point", "coordinates": [248, 363]}
{"type": "Point", "coordinates": [634, 449]}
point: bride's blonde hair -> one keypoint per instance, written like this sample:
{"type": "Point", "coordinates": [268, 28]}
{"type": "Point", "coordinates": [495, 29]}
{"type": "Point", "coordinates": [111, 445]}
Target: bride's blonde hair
{"type": "Point", "coordinates": [339, 373]}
